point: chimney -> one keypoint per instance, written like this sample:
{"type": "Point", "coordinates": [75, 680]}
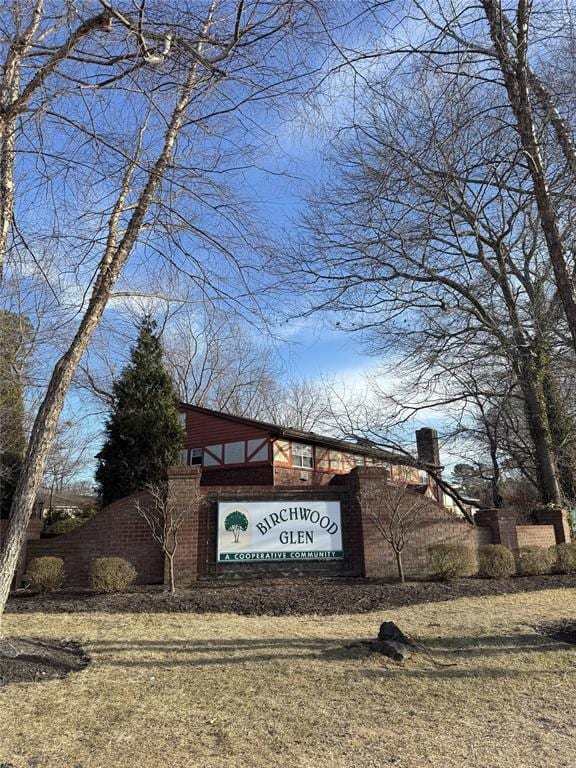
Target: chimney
{"type": "Point", "coordinates": [427, 447]}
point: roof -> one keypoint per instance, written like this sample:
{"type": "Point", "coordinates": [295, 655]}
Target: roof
{"type": "Point", "coordinates": [290, 433]}
{"type": "Point", "coordinates": [65, 499]}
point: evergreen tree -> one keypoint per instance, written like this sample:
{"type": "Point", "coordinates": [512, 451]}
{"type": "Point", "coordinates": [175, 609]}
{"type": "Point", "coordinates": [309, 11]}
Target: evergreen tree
{"type": "Point", "coordinates": [15, 332]}
{"type": "Point", "coordinates": [143, 433]}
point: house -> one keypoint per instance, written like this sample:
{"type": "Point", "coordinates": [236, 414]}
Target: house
{"type": "Point", "coordinates": [62, 503]}
{"type": "Point", "coordinates": [235, 450]}
{"type": "Point", "coordinates": [259, 499]}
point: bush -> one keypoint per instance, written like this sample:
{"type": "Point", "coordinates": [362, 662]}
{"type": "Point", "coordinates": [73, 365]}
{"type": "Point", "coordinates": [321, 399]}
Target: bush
{"type": "Point", "coordinates": [45, 574]}
{"type": "Point", "coordinates": [535, 561]}
{"type": "Point", "coordinates": [111, 574]}
{"type": "Point", "coordinates": [452, 561]}
{"type": "Point", "coordinates": [66, 525]}
{"type": "Point", "coordinates": [496, 562]}
{"type": "Point", "coordinates": [564, 557]}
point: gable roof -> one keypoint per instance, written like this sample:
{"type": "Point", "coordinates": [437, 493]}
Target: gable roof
{"type": "Point", "coordinates": [289, 433]}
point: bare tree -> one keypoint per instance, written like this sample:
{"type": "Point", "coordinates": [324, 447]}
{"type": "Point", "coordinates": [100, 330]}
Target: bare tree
{"type": "Point", "coordinates": [509, 47]}
{"type": "Point", "coordinates": [67, 458]}
{"type": "Point", "coordinates": [165, 519]}
{"type": "Point", "coordinates": [428, 238]}
{"type": "Point", "coordinates": [219, 362]}
{"type": "Point", "coordinates": [396, 512]}
{"type": "Point", "coordinates": [178, 74]}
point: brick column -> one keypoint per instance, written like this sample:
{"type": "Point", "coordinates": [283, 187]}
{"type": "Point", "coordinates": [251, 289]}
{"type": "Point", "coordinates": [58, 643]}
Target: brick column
{"type": "Point", "coordinates": [183, 493]}
{"type": "Point", "coordinates": [373, 558]}
{"type": "Point", "coordinates": [502, 522]}
{"type": "Point", "coordinates": [559, 519]}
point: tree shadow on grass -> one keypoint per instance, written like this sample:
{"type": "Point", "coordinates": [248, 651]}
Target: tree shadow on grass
{"type": "Point", "coordinates": [442, 655]}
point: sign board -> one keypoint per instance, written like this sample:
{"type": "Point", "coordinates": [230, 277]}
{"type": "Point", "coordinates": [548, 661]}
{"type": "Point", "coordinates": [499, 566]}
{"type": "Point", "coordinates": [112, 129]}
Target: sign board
{"type": "Point", "coordinates": [252, 531]}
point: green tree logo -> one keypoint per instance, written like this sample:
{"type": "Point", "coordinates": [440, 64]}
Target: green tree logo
{"type": "Point", "coordinates": [236, 522]}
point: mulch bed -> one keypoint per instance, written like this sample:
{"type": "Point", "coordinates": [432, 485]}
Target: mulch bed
{"type": "Point", "coordinates": [281, 597]}
{"type": "Point", "coordinates": [33, 660]}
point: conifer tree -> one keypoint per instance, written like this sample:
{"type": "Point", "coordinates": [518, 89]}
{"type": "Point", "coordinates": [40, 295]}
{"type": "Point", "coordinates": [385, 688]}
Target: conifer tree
{"type": "Point", "coordinates": [15, 332]}
{"type": "Point", "coordinates": [143, 432]}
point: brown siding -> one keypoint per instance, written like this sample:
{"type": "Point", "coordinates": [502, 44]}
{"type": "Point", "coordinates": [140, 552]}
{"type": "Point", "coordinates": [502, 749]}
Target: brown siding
{"type": "Point", "coordinates": [204, 429]}
{"type": "Point", "coordinates": [257, 474]}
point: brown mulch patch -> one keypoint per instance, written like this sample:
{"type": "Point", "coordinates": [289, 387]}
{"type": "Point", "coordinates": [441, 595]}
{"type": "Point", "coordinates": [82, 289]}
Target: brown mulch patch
{"type": "Point", "coordinates": [33, 660]}
{"type": "Point", "coordinates": [281, 597]}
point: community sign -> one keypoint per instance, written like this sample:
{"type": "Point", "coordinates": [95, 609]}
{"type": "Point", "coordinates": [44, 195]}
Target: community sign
{"type": "Point", "coordinates": [250, 531]}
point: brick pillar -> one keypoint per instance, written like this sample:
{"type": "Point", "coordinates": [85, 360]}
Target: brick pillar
{"type": "Point", "coordinates": [559, 519]}
{"type": "Point", "coordinates": [373, 558]}
{"type": "Point", "coordinates": [502, 522]}
{"type": "Point", "coordinates": [183, 495]}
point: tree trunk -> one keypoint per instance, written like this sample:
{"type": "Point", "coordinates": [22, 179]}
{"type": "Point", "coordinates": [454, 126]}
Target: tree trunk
{"type": "Point", "coordinates": [171, 583]}
{"type": "Point", "coordinates": [515, 72]}
{"type": "Point", "coordinates": [539, 426]}
{"type": "Point", "coordinates": [399, 566]}
{"type": "Point", "coordinates": [46, 422]}
{"type": "Point", "coordinates": [497, 499]}
{"type": "Point", "coordinates": [563, 434]}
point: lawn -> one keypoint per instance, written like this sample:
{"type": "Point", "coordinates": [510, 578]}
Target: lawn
{"type": "Point", "coordinates": [175, 690]}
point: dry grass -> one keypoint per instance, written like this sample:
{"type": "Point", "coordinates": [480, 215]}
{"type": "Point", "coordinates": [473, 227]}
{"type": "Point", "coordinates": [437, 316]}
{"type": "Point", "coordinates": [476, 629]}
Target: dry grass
{"type": "Point", "coordinates": [181, 690]}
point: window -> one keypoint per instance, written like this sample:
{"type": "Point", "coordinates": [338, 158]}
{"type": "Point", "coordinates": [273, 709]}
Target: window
{"type": "Point", "coordinates": [302, 455]}
{"type": "Point", "coordinates": [234, 453]}
{"type": "Point", "coordinates": [183, 456]}
{"type": "Point", "coordinates": [182, 419]}
{"type": "Point", "coordinates": [195, 456]}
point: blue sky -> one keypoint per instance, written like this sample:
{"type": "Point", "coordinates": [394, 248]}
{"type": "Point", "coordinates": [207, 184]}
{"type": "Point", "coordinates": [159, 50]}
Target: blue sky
{"type": "Point", "coordinates": [287, 170]}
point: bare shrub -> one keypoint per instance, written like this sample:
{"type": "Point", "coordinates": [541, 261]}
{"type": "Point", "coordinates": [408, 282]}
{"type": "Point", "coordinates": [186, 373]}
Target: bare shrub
{"type": "Point", "coordinates": [496, 562]}
{"type": "Point", "coordinates": [45, 574]}
{"type": "Point", "coordinates": [534, 561]}
{"type": "Point", "coordinates": [564, 557]}
{"type": "Point", "coordinates": [452, 561]}
{"type": "Point", "coordinates": [111, 574]}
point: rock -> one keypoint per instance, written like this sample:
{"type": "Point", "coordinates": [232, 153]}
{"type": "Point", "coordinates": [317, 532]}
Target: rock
{"type": "Point", "coordinates": [390, 631]}
{"type": "Point", "coordinates": [391, 648]}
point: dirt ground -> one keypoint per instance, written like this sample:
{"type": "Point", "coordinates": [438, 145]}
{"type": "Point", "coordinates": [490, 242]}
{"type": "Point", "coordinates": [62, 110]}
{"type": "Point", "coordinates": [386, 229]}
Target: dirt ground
{"type": "Point", "coordinates": [33, 660]}
{"type": "Point", "coordinates": [282, 597]}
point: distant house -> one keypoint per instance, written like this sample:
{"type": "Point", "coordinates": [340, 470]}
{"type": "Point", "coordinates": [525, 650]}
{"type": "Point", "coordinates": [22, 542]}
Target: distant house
{"type": "Point", "coordinates": [234, 450]}
{"type": "Point", "coordinates": [65, 504]}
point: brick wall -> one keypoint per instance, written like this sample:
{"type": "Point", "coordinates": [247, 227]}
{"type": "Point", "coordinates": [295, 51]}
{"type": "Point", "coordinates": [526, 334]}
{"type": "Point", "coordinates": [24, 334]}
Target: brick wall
{"type": "Point", "coordinates": [117, 531]}
{"type": "Point", "coordinates": [206, 565]}
{"type": "Point", "coordinates": [558, 518]}
{"type": "Point", "coordinates": [536, 535]}
{"type": "Point", "coordinates": [433, 524]}
{"type": "Point", "coordinates": [35, 526]}
{"type": "Point", "coordinates": [292, 476]}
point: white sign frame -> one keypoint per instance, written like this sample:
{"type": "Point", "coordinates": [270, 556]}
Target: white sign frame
{"type": "Point", "coordinates": [278, 531]}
